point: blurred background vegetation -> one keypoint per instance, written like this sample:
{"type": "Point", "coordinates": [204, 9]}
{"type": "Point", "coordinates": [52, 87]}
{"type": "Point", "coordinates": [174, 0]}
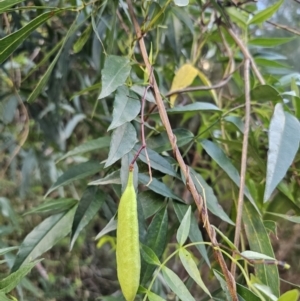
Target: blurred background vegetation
{"type": "Point", "coordinates": [65, 113]}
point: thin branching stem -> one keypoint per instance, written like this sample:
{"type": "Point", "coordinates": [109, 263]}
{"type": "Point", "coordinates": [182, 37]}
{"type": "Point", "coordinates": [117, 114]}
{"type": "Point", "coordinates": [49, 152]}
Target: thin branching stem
{"type": "Point", "coordinates": [238, 222]}
{"type": "Point", "coordinates": [172, 138]}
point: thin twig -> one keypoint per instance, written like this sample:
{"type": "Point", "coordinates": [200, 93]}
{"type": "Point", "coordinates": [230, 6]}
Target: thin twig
{"type": "Point", "coordinates": [143, 146]}
{"type": "Point", "coordinates": [172, 138]}
{"type": "Point", "coordinates": [238, 222]}
{"type": "Point", "coordinates": [247, 54]}
{"type": "Point", "coordinates": [221, 84]}
{"type": "Point", "coordinates": [284, 27]}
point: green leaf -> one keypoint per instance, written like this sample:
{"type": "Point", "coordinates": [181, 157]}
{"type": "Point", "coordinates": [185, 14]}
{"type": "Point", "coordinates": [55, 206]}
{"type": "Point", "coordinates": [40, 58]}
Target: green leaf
{"type": "Point", "coordinates": [193, 107]}
{"type": "Point", "coordinates": [88, 146]}
{"type": "Point", "coordinates": [77, 172]}
{"type": "Point", "coordinates": [223, 284]}
{"type": "Point", "coordinates": [238, 16]}
{"type": "Point", "coordinates": [140, 90]}
{"type": "Point", "coordinates": [283, 145]}
{"type": "Point", "coordinates": [10, 43]}
{"type": "Point", "coordinates": [87, 90]}
{"type": "Point", "coordinates": [237, 121]}
{"type": "Point", "coordinates": [89, 205]}
{"type": "Point", "coordinates": [122, 142]}
{"type": "Point", "coordinates": [226, 239]}
{"type": "Point", "coordinates": [4, 298]}
{"type": "Point", "coordinates": [192, 269]}
{"type": "Point", "coordinates": [126, 108]}
{"type": "Point", "coordinates": [11, 281]}
{"type": "Point", "coordinates": [292, 295]}
{"type": "Point", "coordinates": [112, 178]}
{"type": "Point", "coordinates": [54, 206]}
{"type": "Point", "coordinates": [161, 143]}
{"type": "Point", "coordinates": [7, 250]}
{"type": "Point", "coordinates": [5, 4]}
{"type": "Point", "coordinates": [176, 285]}
{"type": "Point", "coordinates": [154, 297]}
{"type": "Point", "coordinates": [83, 38]}
{"type": "Point", "coordinates": [256, 255]}
{"type": "Point", "coordinates": [218, 155]}
{"type": "Point", "coordinates": [195, 234]}
{"type": "Point", "coordinates": [293, 219]}
{"type": "Point", "coordinates": [184, 228]}
{"type": "Point", "coordinates": [157, 161]}
{"type": "Point", "coordinates": [269, 42]}
{"type": "Point", "coordinates": [259, 242]}
{"type": "Point", "coordinates": [211, 200]}
{"type": "Point", "coordinates": [158, 187]}
{"type": "Point", "coordinates": [156, 239]}
{"type": "Point", "coordinates": [246, 294]}
{"type": "Point", "coordinates": [43, 237]}
{"type": "Point", "coordinates": [265, 14]}
{"type": "Point", "coordinates": [271, 226]}
{"type": "Point", "coordinates": [262, 93]}
{"type": "Point", "coordinates": [110, 226]}
{"type": "Point", "coordinates": [151, 202]}
{"type": "Point", "coordinates": [181, 2]}
{"type": "Point", "coordinates": [149, 256]}
{"type": "Point", "coordinates": [42, 82]}
{"type": "Point", "coordinates": [114, 74]}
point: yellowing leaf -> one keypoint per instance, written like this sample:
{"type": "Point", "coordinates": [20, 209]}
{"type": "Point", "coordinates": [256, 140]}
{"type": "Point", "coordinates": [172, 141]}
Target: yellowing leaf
{"type": "Point", "coordinates": [207, 82]}
{"type": "Point", "coordinates": [184, 77]}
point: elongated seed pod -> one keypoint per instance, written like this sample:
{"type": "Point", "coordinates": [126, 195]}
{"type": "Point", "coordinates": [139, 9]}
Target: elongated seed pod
{"type": "Point", "coordinates": [127, 251]}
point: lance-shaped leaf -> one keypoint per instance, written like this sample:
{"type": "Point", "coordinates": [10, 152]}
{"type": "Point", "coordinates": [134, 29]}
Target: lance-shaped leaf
{"type": "Point", "coordinates": [283, 146]}
{"type": "Point", "coordinates": [154, 297]}
{"type": "Point", "coordinates": [12, 280]}
{"type": "Point", "coordinates": [10, 43]}
{"type": "Point", "coordinates": [112, 178]}
{"type": "Point", "coordinates": [126, 107]}
{"type": "Point", "coordinates": [156, 239]}
{"type": "Point", "coordinates": [157, 161]}
{"type": "Point", "coordinates": [122, 142]}
{"type": "Point", "coordinates": [88, 207]}
{"type": "Point", "coordinates": [5, 4]}
{"type": "Point", "coordinates": [176, 285]}
{"type": "Point", "coordinates": [209, 197]}
{"type": "Point", "coordinates": [184, 228]}
{"type": "Point", "coordinates": [218, 155]}
{"type": "Point", "coordinates": [158, 187]}
{"type": "Point", "coordinates": [151, 202]}
{"type": "Point", "coordinates": [76, 172]}
{"type": "Point", "coordinates": [42, 82]}
{"type": "Point", "coordinates": [259, 241]}
{"type": "Point", "coordinates": [193, 107]}
{"type": "Point", "coordinates": [195, 234]}
{"type": "Point", "coordinates": [88, 146]}
{"type": "Point", "coordinates": [192, 269]}
{"type": "Point", "coordinates": [265, 14]}
{"type": "Point", "coordinates": [114, 74]}
{"type": "Point", "coordinates": [43, 237]}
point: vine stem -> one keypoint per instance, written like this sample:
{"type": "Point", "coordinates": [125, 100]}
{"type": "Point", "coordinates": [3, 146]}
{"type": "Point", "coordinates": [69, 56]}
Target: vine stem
{"type": "Point", "coordinates": [172, 138]}
{"type": "Point", "coordinates": [238, 222]}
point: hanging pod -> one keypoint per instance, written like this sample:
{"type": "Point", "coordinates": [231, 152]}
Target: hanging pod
{"type": "Point", "coordinates": [128, 251]}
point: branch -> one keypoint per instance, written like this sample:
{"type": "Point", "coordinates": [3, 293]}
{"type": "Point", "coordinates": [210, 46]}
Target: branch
{"type": "Point", "coordinates": [221, 84]}
{"type": "Point", "coordinates": [247, 55]}
{"type": "Point", "coordinates": [172, 138]}
{"type": "Point", "coordinates": [238, 223]}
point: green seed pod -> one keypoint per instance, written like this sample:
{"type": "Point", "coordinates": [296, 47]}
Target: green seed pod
{"type": "Point", "coordinates": [128, 251]}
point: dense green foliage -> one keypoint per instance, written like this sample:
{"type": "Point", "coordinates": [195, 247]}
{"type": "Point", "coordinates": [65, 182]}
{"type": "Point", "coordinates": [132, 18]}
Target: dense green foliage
{"type": "Point", "coordinates": [199, 98]}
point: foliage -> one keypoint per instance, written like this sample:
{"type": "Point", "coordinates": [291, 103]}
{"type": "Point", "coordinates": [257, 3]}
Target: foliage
{"type": "Point", "coordinates": [189, 94]}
